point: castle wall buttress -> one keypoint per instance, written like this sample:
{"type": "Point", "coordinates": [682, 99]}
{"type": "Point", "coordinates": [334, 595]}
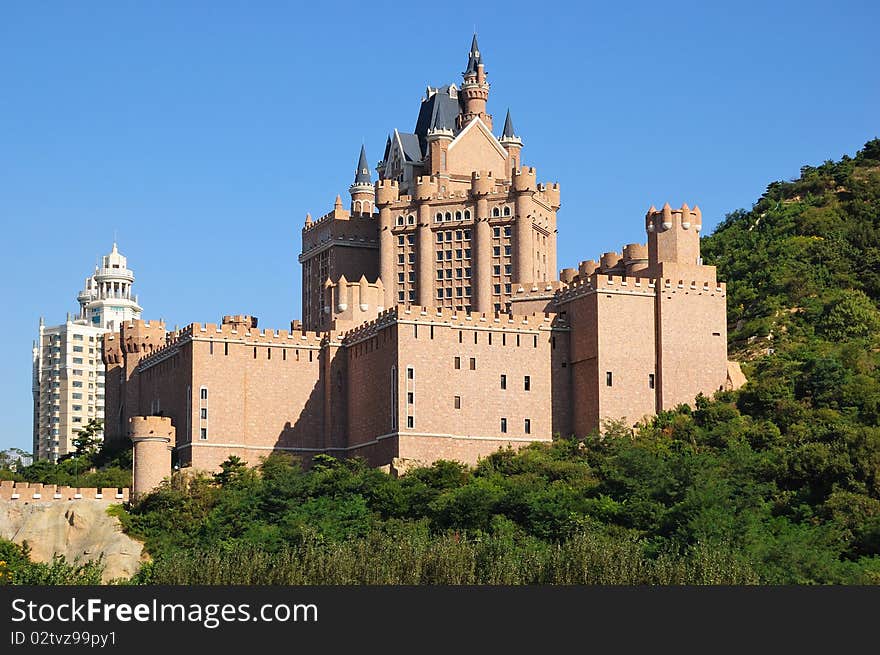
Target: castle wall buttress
{"type": "Point", "coordinates": [692, 340]}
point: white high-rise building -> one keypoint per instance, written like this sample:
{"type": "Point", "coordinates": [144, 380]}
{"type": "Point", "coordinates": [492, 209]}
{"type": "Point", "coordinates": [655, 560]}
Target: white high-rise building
{"type": "Point", "coordinates": [68, 371]}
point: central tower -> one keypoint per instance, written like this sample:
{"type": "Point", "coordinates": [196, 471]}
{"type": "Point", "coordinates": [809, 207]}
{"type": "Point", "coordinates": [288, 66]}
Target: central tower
{"type": "Point", "coordinates": [461, 222]}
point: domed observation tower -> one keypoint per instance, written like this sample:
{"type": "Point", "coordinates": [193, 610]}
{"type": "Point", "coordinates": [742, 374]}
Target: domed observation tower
{"type": "Point", "coordinates": [106, 300]}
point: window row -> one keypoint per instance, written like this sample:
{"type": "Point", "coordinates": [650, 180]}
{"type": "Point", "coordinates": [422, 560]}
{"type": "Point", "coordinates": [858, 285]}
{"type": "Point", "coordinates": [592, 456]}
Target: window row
{"type": "Point", "coordinates": [448, 216]}
{"type": "Point", "coordinates": [459, 292]}
{"type": "Point", "coordinates": [460, 235]}
{"type": "Point", "coordinates": [609, 379]}
{"type": "Point", "coordinates": [458, 254]}
{"type": "Point", "coordinates": [447, 273]}
{"type": "Point", "coordinates": [527, 382]}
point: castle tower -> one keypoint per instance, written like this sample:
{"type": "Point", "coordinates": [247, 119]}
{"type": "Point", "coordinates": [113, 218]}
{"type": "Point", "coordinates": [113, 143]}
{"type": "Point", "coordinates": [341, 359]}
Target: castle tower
{"type": "Point", "coordinates": [363, 196]}
{"type": "Point", "coordinates": [511, 143]}
{"type": "Point", "coordinates": [674, 243]}
{"type": "Point", "coordinates": [153, 439]}
{"type": "Point", "coordinates": [474, 90]}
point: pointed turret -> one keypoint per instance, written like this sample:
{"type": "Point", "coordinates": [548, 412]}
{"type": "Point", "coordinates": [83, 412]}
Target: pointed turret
{"type": "Point", "coordinates": [362, 174]}
{"type": "Point", "coordinates": [363, 195]}
{"type": "Point", "coordinates": [474, 58]}
{"type": "Point", "coordinates": [508, 126]}
{"type": "Point", "coordinates": [512, 144]}
{"type": "Point", "coordinates": [474, 90]}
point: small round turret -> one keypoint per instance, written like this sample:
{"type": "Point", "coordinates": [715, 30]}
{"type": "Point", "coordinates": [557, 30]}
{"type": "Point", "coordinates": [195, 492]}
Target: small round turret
{"type": "Point", "coordinates": [153, 439]}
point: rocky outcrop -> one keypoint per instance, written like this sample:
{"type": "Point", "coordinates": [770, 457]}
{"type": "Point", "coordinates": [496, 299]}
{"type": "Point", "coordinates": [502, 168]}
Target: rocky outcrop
{"type": "Point", "coordinates": [77, 529]}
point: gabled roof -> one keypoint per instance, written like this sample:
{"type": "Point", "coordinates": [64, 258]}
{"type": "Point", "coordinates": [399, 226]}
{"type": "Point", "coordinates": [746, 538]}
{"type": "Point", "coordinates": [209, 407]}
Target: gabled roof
{"type": "Point", "coordinates": [410, 145]}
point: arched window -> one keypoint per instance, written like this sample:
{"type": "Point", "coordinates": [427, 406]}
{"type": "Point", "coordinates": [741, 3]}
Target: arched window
{"type": "Point", "coordinates": [448, 216]}
{"type": "Point", "coordinates": [507, 211]}
{"type": "Point", "coordinates": [410, 219]}
{"type": "Point", "coordinates": [400, 220]}
{"type": "Point", "coordinates": [495, 211]}
{"type": "Point", "coordinates": [458, 216]}
{"type": "Point", "coordinates": [467, 215]}
{"type": "Point", "coordinates": [438, 217]}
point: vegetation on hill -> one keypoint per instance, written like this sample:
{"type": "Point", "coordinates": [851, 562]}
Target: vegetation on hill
{"type": "Point", "coordinates": [90, 465]}
{"type": "Point", "coordinates": [776, 483]}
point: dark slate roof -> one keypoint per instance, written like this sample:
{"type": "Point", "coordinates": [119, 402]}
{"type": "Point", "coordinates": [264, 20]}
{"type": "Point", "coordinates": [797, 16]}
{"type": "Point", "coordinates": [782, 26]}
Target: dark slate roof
{"type": "Point", "coordinates": [387, 148]}
{"type": "Point", "coordinates": [474, 57]}
{"type": "Point", "coordinates": [362, 174]}
{"type": "Point", "coordinates": [508, 126]}
{"type": "Point", "coordinates": [411, 147]}
{"type": "Point", "coordinates": [440, 111]}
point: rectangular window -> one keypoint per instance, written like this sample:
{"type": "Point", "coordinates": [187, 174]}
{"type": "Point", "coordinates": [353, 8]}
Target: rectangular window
{"type": "Point", "coordinates": [448, 273]}
{"type": "Point", "coordinates": [439, 273]}
{"type": "Point", "coordinates": [507, 231]}
{"type": "Point", "coordinates": [412, 258]}
{"type": "Point", "coordinates": [439, 255]}
{"type": "Point", "coordinates": [473, 363]}
{"type": "Point", "coordinates": [400, 259]}
{"type": "Point", "coordinates": [211, 347]}
{"type": "Point", "coordinates": [410, 397]}
{"type": "Point", "coordinates": [608, 378]}
{"type": "Point", "coordinates": [503, 381]}
{"type": "Point", "coordinates": [456, 402]}
{"type": "Point", "coordinates": [77, 337]}
{"type": "Point", "coordinates": [203, 393]}
{"type": "Point", "coordinates": [650, 380]}
{"type": "Point", "coordinates": [503, 426]}
{"type": "Point", "coordinates": [439, 293]}
{"type": "Point", "coordinates": [527, 383]}
{"type": "Point", "coordinates": [77, 349]}
{"type": "Point", "coordinates": [527, 426]}
{"type": "Point", "coordinates": [204, 412]}
{"type": "Point", "coordinates": [76, 384]}
{"type": "Point", "coordinates": [77, 396]}
{"type": "Point", "coordinates": [77, 360]}
{"type": "Point", "coordinates": [203, 433]}
{"type": "Point", "coordinates": [225, 347]}
{"type": "Point", "coordinates": [506, 250]}
{"type": "Point", "coordinates": [410, 421]}
{"type": "Point", "coordinates": [401, 296]}
{"type": "Point", "coordinates": [400, 278]}
{"type": "Point", "coordinates": [410, 373]}
{"type": "Point", "coordinates": [458, 363]}
{"type": "Point", "coordinates": [496, 251]}
{"type": "Point", "coordinates": [496, 270]}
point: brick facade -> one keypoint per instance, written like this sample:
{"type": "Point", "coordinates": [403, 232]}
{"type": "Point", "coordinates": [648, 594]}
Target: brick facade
{"type": "Point", "coordinates": [436, 327]}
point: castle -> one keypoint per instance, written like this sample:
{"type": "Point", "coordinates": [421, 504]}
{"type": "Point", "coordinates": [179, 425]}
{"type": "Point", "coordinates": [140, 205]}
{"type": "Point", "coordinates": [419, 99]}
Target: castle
{"type": "Point", "coordinates": [433, 321]}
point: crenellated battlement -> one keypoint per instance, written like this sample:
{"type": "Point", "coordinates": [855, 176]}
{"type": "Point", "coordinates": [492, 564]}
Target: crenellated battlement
{"type": "Point", "coordinates": [599, 282]}
{"type": "Point", "coordinates": [482, 183]}
{"type": "Point", "coordinates": [233, 333]}
{"type": "Point", "coordinates": [668, 218]}
{"type": "Point", "coordinates": [35, 492]}
{"type": "Point", "coordinates": [525, 179]}
{"type": "Point", "coordinates": [387, 192]}
{"type": "Point", "coordinates": [426, 187]}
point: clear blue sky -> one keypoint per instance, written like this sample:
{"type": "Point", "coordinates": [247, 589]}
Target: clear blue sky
{"type": "Point", "coordinates": [202, 132]}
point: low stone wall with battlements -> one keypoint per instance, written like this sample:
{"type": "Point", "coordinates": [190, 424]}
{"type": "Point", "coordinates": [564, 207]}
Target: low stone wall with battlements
{"type": "Point", "coordinates": [35, 492]}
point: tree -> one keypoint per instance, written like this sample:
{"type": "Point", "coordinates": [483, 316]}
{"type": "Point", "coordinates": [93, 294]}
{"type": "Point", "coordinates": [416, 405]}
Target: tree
{"type": "Point", "coordinates": [231, 470]}
{"type": "Point", "coordinates": [89, 438]}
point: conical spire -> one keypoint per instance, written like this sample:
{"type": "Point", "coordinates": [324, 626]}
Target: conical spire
{"type": "Point", "coordinates": [508, 126]}
{"type": "Point", "coordinates": [362, 175]}
{"type": "Point", "coordinates": [474, 57]}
